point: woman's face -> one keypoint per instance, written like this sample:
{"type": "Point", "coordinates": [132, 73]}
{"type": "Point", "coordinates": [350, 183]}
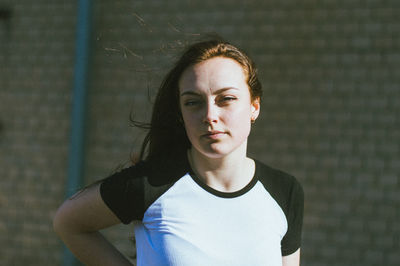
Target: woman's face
{"type": "Point", "coordinates": [216, 106]}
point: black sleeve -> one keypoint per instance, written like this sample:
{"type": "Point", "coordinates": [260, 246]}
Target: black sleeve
{"type": "Point", "coordinates": [292, 239]}
{"type": "Point", "coordinates": [123, 193]}
{"type": "Point", "coordinates": [287, 191]}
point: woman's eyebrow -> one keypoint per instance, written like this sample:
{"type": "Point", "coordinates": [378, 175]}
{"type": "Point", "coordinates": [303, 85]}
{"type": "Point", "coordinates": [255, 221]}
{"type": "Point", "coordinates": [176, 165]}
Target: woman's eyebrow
{"type": "Point", "coordinates": [191, 92]}
{"type": "Point", "coordinates": [224, 89]}
{"type": "Point", "coordinates": [219, 91]}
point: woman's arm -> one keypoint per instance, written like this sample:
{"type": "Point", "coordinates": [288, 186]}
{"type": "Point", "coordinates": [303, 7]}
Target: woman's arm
{"type": "Point", "coordinates": [78, 222]}
{"type": "Point", "coordinates": [292, 259]}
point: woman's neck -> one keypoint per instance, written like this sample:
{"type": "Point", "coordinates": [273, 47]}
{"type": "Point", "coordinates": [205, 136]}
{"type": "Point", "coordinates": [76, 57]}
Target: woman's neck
{"type": "Point", "coordinates": [229, 173]}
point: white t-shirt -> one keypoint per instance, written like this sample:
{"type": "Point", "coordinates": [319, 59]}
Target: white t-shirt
{"type": "Point", "coordinates": [182, 221]}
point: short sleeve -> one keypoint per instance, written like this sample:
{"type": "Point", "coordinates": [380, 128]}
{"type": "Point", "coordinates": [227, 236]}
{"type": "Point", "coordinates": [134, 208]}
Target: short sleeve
{"type": "Point", "coordinates": [288, 193]}
{"type": "Point", "coordinates": [292, 239]}
{"type": "Point", "coordinates": [123, 193]}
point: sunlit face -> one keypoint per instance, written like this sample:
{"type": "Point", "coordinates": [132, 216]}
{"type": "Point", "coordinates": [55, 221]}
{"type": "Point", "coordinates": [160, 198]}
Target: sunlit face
{"type": "Point", "coordinates": [216, 106]}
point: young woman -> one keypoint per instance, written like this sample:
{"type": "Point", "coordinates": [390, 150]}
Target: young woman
{"type": "Point", "coordinates": [197, 196]}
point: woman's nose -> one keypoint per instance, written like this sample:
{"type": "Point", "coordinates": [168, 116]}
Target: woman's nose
{"type": "Point", "coordinates": [210, 113]}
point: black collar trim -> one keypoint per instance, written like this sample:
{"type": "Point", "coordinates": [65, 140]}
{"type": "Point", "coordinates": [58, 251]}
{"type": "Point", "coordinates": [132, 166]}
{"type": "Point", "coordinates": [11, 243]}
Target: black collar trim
{"type": "Point", "coordinates": [222, 194]}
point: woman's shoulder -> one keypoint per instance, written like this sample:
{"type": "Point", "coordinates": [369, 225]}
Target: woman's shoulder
{"type": "Point", "coordinates": [280, 184]}
{"type": "Point", "coordinates": [276, 174]}
{"type": "Point", "coordinates": [140, 185]}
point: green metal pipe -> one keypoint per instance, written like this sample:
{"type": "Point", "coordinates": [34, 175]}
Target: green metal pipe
{"type": "Point", "coordinates": [78, 116]}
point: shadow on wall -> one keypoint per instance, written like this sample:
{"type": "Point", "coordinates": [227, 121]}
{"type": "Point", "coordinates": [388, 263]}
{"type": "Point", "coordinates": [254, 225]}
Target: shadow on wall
{"type": "Point", "coordinates": [5, 13]}
{"type": "Point", "coordinates": [5, 16]}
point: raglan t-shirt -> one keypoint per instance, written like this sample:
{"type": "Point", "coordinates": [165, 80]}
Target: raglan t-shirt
{"type": "Point", "coordinates": [182, 221]}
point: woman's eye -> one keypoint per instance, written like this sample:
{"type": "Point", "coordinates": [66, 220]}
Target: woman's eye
{"type": "Point", "coordinates": [227, 99]}
{"type": "Point", "coordinates": [191, 102]}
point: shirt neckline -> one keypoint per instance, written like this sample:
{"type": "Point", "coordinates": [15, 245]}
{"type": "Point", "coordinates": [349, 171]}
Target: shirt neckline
{"type": "Point", "coordinates": [223, 194]}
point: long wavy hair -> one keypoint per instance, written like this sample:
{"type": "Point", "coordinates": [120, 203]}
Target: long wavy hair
{"type": "Point", "coordinates": [166, 142]}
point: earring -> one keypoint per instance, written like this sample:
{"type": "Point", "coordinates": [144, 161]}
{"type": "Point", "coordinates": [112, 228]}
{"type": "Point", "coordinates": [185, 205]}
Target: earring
{"type": "Point", "coordinates": [253, 120]}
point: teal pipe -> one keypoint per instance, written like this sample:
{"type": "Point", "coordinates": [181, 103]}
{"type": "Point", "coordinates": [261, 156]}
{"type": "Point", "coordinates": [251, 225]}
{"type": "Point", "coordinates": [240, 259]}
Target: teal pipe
{"type": "Point", "coordinates": [78, 116]}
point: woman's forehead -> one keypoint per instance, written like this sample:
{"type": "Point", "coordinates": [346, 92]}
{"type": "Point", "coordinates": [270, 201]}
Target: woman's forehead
{"type": "Point", "coordinates": [215, 74]}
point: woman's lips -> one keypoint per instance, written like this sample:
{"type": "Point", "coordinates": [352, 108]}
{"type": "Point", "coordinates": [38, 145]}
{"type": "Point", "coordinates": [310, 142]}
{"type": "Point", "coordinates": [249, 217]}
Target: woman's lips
{"type": "Point", "coordinates": [214, 134]}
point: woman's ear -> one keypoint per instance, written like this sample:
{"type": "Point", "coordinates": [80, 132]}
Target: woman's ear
{"type": "Point", "coordinates": [255, 109]}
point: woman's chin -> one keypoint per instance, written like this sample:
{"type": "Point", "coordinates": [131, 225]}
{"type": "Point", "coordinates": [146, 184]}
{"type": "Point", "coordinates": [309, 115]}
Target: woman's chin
{"type": "Point", "coordinates": [215, 151]}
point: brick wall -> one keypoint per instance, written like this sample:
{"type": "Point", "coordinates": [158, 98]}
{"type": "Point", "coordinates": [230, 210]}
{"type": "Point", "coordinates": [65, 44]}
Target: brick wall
{"type": "Point", "coordinates": [330, 71]}
{"type": "Point", "coordinates": [36, 65]}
